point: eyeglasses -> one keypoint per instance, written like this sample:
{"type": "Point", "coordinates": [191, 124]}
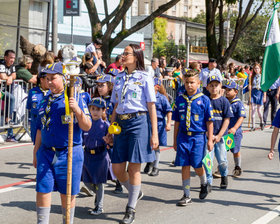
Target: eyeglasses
{"type": "Point", "coordinates": [126, 54]}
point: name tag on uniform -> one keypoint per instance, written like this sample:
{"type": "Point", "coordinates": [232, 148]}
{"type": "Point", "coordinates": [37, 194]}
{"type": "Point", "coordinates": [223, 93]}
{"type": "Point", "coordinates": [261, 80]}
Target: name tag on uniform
{"type": "Point", "coordinates": [196, 117]}
{"type": "Point", "coordinates": [65, 119]}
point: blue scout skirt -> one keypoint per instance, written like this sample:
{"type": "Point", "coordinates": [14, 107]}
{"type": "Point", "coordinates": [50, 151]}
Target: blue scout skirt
{"type": "Point", "coordinates": [52, 170]}
{"type": "Point", "coordinates": [133, 143]}
{"type": "Point", "coordinates": [237, 141]}
{"type": "Point", "coordinates": [97, 168]}
{"type": "Point", "coordinates": [257, 96]}
{"type": "Point", "coordinates": [162, 134]}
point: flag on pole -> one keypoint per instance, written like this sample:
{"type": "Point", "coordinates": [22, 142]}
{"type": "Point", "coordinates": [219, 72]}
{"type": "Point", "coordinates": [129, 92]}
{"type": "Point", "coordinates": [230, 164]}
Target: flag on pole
{"type": "Point", "coordinates": [271, 59]}
{"type": "Point", "coordinates": [246, 85]}
{"type": "Point", "coordinates": [208, 162]}
{"type": "Point", "coordinates": [229, 141]}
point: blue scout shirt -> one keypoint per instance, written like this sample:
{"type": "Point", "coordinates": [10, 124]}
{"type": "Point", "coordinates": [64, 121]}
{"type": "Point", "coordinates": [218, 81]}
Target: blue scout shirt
{"type": "Point", "coordinates": [86, 97]}
{"type": "Point", "coordinates": [109, 107]}
{"type": "Point", "coordinates": [140, 91]}
{"type": "Point", "coordinates": [35, 96]}
{"type": "Point", "coordinates": [221, 110]}
{"type": "Point", "coordinates": [201, 112]}
{"type": "Point", "coordinates": [56, 134]}
{"type": "Point", "coordinates": [238, 111]}
{"type": "Point", "coordinates": [94, 137]}
{"type": "Point", "coordinates": [162, 106]}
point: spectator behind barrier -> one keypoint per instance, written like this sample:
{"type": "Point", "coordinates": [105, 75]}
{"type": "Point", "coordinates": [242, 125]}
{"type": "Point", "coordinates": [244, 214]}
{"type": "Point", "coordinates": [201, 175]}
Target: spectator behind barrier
{"type": "Point", "coordinates": [22, 70]}
{"type": "Point", "coordinates": [116, 65]}
{"type": "Point", "coordinates": [8, 73]}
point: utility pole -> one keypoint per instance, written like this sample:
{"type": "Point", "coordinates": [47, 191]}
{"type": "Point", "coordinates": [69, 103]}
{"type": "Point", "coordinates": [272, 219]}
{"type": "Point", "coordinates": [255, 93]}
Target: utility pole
{"type": "Point", "coordinates": [54, 27]}
{"type": "Point", "coordinates": [152, 29]}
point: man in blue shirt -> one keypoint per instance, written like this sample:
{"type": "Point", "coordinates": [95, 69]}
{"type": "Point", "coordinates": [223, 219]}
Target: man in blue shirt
{"type": "Point", "coordinates": [207, 72]}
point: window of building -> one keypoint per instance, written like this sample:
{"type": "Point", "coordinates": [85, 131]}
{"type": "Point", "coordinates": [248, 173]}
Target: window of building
{"type": "Point", "coordinates": [185, 8]}
{"type": "Point", "coordinates": [146, 8]}
{"type": "Point", "coordinates": [174, 8]}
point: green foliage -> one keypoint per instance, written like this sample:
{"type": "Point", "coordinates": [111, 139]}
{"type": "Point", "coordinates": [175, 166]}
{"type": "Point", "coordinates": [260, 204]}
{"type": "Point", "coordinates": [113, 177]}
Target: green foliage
{"type": "Point", "coordinates": [249, 47]}
{"type": "Point", "coordinates": [159, 36]}
{"type": "Point", "coordinates": [200, 18]}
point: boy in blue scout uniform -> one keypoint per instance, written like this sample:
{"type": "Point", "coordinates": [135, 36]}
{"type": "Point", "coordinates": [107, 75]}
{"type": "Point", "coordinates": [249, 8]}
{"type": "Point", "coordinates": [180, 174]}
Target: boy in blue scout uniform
{"type": "Point", "coordinates": [222, 113]}
{"type": "Point", "coordinates": [163, 110]}
{"type": "Point", "coordinates": [235, 124]}
{"type": "Point", "coordinates": [35, 96]}
{"type": "Point", "coordinates": [50, 150]}
{"type": "Point", "coordinates": [97, 168]}
{"type": "Point", "coordinates": [193, 116]}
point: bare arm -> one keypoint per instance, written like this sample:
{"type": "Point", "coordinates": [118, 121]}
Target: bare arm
{"type": "Point", "coordinates": [36, 147]}
{"type": "Point", "coordinates": [236, 126]}
{"type": "Point", "coordinates": [210, 127]}
{"type": "Point", "coordinates": [223, 129]}
{"type": "Point", "coordinates": [114, 114]}
{"type": "Point", "coordinates": [83, 120]}
{"type": "Point", "coordinates": [176, 130]}
{"type": "Point", "coordinates": [168, 123]}
{"type": "Point", "coordinates": [153, 118]}
{"type": "Point", "coordinates": [273, 141]}
{"type": "Point", "coordinates": [33, 79]}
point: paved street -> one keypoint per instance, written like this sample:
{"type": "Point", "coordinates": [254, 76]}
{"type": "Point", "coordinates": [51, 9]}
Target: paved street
{"type": "Point", "coordinates": [247, 199]}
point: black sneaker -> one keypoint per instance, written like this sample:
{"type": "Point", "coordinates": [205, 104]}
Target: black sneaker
{"type": "Point", "coordinates": [203, 191]}
{"type": "Point", "coordinates": [154, 172]}
{"type": "Point", "coordinates": [140, 196]}
{"type": "Point", "coordinates": [209, 188]}
{"type": "Point", "coordinates": [119, 188]}
{"type": "Point", "coordinates": [237, 172]}
{"type": "Point", "coordinates": [262, 126]}
{"type": "Point", "coordinates": [224, 183]}
{"type": "Point", "coordinates": [184, 201]}
{"type": "Point", "coordinates": [129, 216]}
{"type": "Point", "coordinates": [148, 168]}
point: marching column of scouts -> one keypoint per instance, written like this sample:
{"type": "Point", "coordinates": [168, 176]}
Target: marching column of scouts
{"type": "Point", "coordinates": [138, 107]}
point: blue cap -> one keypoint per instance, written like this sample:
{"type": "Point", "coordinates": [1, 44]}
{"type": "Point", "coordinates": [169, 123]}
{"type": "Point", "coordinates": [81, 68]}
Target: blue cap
{"type": "Point", "coordinates": [231, 85]}
{"type": "Point", "coordinates": [157, 81]}
{"type": "Point", "coordinates": [55, 68]}
{"type": "Point", "coordinates": [98, 102]}
{"type": "Point", "coordinates": [113, 72]}
{"type": "Point", "coordinates": [213, 78]}
{"type": "Point", "coordinates": [105, 78]}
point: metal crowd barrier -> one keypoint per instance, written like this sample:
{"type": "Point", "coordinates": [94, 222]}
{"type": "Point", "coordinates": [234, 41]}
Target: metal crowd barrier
{"type": "Point", "coordinates": [13, 112]}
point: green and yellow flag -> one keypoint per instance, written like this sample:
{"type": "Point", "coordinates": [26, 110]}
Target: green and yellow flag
{"type": "Point", "coordinates": [229, 141]}
{"type": "Point", "coordinates": [208, 162]}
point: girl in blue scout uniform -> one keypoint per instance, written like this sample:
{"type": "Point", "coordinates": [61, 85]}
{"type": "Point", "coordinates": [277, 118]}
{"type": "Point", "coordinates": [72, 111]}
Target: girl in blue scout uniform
{"type": "Point", "coordinates": [104, 89]}
{"type": "Point", "coordinates": [235, 123]}
{"type": "Point", "coordinates": [256, 95]}
{"type": "Point", "coordinates": [163, 109]}
{"type": "Point", "coordinates": [97, 167]}
{"type": "Point", "coordinates": [35, 96]}
{"type": "Point", "coordinates": [50, 150]}
{"type": "Point", "coordinates": [274, 136]}
{"type": "Point", "coordinates": [133, 96]}
{"type": "Point", "coordinates": [222, 114]}
{"type": "Point", "coordinates": [193, 117]}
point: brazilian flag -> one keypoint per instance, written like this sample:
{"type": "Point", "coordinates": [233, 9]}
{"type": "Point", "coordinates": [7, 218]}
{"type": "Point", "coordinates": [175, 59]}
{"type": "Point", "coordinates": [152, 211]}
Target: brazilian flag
{"type": "Point", "coordinates": [229, 141]}
{"type": "Point", "coordinates": [208, 162]}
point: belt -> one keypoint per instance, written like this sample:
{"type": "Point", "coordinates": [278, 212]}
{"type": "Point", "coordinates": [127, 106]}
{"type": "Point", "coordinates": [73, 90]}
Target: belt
{"type": "Point", "coordinates": [95, 150]}
{"type": "Point", "coordinates": [55, 149]}
{"type": "Point", "coordinates": [131, 115]}
{"type": "Point", "coordinates": [191, 133]}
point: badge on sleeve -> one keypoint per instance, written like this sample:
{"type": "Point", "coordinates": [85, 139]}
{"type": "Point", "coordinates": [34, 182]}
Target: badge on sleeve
{"type": "Point", "coordinates": [34, 105]}
{"type": "Point", "coordinates": [182, 117]}
{"type": "Point", "coordinates": [134, 95]}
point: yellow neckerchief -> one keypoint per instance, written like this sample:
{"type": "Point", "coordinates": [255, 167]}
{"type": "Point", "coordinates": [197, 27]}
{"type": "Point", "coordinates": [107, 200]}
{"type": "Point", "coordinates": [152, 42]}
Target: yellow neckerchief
{"type": "Point", "coordinates": [235, 100]}
{"type": "Point", "coordinates": [189, 101]}
{"type": "Point", "coordinates": [44, 91]}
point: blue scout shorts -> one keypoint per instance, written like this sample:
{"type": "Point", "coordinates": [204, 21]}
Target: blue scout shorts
{"type": "Point", "coordinates": [190, 150]}
{"type": "Point", "coordinates": [52, 170]}
{"type": "Point", "coordinates": [237, 140]}
{"type": "Point", "coordinates": [133, 143]}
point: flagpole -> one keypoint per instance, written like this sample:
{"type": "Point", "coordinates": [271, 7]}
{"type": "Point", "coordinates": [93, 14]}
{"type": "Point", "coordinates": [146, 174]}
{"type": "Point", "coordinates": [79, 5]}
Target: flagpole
{"type": "Point", "coordinates": [250, 103]}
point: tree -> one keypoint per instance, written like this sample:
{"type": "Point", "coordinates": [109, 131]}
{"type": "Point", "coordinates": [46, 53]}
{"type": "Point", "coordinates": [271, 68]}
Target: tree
{"type": "Point", "coordinates": [243, 20]}
{"type": "Point", "coordinates": [159, 36]}
{"type": "Point", "coordinates": [249, 47]}
{"type": "Point", "coordinates": [114, 19]}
